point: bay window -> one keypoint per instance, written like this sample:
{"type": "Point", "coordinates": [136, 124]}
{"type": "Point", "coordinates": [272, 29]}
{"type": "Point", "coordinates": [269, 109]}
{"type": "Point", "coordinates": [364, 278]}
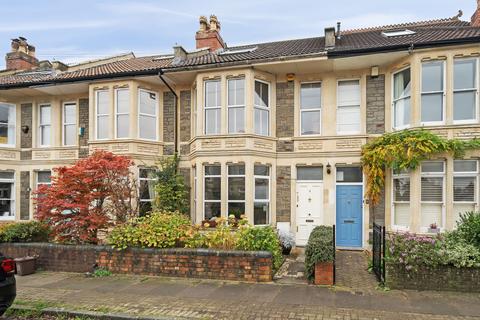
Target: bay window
{"type": "Point", "coordinates": [7, 124]}
{"type": "Point", "coordinates": [432, 193]}
{"type": "Point", "coordinates": [102, 106]}
{"type": "Point", "coordinates": [212, 192]}
{"type": "Point", "coordinates": [465, 181]}
{"type": "Point", "coordinates": [147, 115]}
{"type": "Point", "coordinates": [401, 199]}
{"type": "Point", "coordinates": [262, 108]}
{"type": "Point", "coordinates": [236, 190]}
{"type": "Point", "coordinates": [122, 113]}
{"type": "Point", "coordinates": [465, 90]}
{"type": "Point", "coordinates": [45, 125]}
{"type": "Point", "coordinates": [310, 108]}
{"type": "Point", "coordinates": [7, 195]}
{"type": "Point", "coordinates": [348, 107]}
{"type": "Point", "coordinates": [261, 204]}
{"type": "Point", "coordinates": [401, 98]}
{"type": "Point", "coordinates": [213, 107]}
{"type": "Point", "coordinates": [69, 124]}
{"type": "Point", "coordinates": [236, 105]}
{"type": "Point", "coordinates": [433, 89]}
{"type": "Point", "coordinates": [147, 180]}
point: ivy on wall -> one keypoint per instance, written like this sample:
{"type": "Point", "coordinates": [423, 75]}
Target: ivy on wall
{"type": "Point", "coordinates": [405, 150]}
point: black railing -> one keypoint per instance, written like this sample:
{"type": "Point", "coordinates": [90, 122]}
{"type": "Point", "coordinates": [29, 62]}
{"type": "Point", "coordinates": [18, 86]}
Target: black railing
{"type": "Point", "coordinates": [334, 256]}
{"type": "Point", "coordinates": [378, 256]}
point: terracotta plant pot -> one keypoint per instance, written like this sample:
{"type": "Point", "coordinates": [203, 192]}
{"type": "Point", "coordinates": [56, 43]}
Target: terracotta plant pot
{"type": "Point", "coordinates": [324, 273]}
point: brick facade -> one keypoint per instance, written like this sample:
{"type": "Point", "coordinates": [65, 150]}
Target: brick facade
{"type": "Point", "coordinates": [83, 122]}
{"type": "Point", "coordinates": [185, 112]}
{"type": "Point", "coordinates": [284, 196]}
{"type": "Point", "coordinates": [440, 278]}
{"type": "Point", "coordinates": [253, 266]}
{"type": "Point", "coordinates": [24, 195]}
{"type": "Point", "coordinates": [26, 119]}
{"type": "Point", "coordinates": [285, 115]}
{"type": "Point", "coordinates": [376, 104]}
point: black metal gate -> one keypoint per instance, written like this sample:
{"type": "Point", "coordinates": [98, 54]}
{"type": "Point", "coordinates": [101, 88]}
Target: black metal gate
{"type": "Point", "coordinates": [334, 256]}
{"type": "Point", "coordinates": [378, 256]}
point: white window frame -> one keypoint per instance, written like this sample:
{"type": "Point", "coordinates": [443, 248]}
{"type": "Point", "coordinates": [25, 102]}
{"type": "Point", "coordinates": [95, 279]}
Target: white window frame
{"type": "Point", "coordinates": [195, 190]}
{"type": "Point", "coordinates": [258, 107]}
{"type": "Point", "coordinates": [237, 106]}
{"type": "Point", "coordinates": [101, 115]}
{"type": "Point", "coordinates": [122, 113]}
{"type": "Point", "coordinates": [148, 115]}
{"type": "Point", "coordinates": [218, 106]}
{"type": "Point", "coordinates": [443, 92]}
{"type": "Point", "coordinates": [205, 176]}
{"type": "Point", "coordinates": [475, 89]}
{"type": "Point", "coordinates": [400, 175]}
{"type": "Point", "coordinates": [443, 204]}
{"type": "Point", "coordinates": [400, 99]}
{"type": "Point", "coordinates": [319, 110]}
{"type": "Point", "coordinates": [268, 201]}
{"type": "Point", "coordinates": [342, 133]}
{"type": "Point", "coordinates": [469, 174]}
{"type": "Point", "coordinates": [38, 183]}
{"type": "Point", "coordinates": [11, 125]}
{"type": "Point", "coordinates": [139, 185]}
{"type": "Point", "coordinates": [65, 124]}
{"type": "Point", "coordinates": [12, 197]}
{"type": "Point", "coordinates": [42, 126]}
{"type": "Point", "coordinates": [195, 112]}
{"type": "Point", "coordinates": [244, 201]}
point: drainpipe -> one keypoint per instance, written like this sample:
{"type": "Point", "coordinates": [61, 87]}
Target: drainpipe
{"type": "Point", "coordinates": [175, 122]}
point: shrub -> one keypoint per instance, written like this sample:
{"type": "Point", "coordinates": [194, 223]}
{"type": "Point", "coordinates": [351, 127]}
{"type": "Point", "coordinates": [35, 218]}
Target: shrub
{"type": "Point", "coordinates": [319, 249]}
{"type": "Point", "coordinates": [261, 239]}
{"type": "Point", "coordinates": [158, 230]}
{"type": "Point", "coordinates": [469, 228]}
{"type": "Point", "coordinates": [32, 231]}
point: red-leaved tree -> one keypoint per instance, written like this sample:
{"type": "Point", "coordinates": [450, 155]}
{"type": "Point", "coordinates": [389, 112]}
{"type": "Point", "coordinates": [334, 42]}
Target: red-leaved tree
{"type": "Point", "coordinates": [88, 196]}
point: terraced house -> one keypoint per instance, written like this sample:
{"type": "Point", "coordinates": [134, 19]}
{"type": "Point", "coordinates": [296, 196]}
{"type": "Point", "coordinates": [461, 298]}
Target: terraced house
{"type": "Point", "coordinates": [272, 130]}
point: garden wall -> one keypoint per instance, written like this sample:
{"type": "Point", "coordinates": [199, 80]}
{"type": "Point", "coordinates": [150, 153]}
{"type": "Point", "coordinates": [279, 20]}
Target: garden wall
{"type": "Point", "coordinates": [443, 278]}
{"type": "Point", "coordinates": [255, 266]}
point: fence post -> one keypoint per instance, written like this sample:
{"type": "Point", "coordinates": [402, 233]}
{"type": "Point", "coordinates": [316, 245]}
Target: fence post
{"type": "Point", "coordinates": [384, 246]}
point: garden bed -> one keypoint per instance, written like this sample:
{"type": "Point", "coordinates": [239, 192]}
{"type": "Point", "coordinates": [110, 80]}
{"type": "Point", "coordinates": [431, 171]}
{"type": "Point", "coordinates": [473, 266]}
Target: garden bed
{"type": "Point", "coordinates": [253, 266]}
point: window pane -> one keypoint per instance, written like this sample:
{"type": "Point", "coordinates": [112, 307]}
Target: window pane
{"type": "Point", "coordinates": [212, 93]}
{"type": "Point", "coordinates": [6, 199]}
{"type": "Point", "coordinates": [7, 175]}
{"type": "Point", "coordinates": [45, 115]}
{"type": "Point", "coordinates": [147, 174]}
{"type": "Point", "coordinates": [236, 170]}
{"type": "Point", "coordinates": [402, 112]}
{"type": "Point", "coordinates": [212, 189]}
{"type": "Point", "coordinates": [348, 119]}
{"type": "Point", "coordinates": [148, 127]}
{"type": "Point", "coordinates": [123, 125]}
{"type": "Point", "coordinates": [464, 189]}
{"type": "Point", "coordinates": [148, 102]}
{"type": "Point", "coordinates": [401, 189]}
{"type": "Point", "coordinates": [44, 176]}
{"type": "Point", "coordinates": [464, 74]}
{"type": "Point", "coordinates": [236, 92]}
{"type": "Point", "coordinates": [349, 174]}
{"type": "Point", "coordinates": [432, 166]}
{"type": "Point", "coordinates": [402, 214]}
{"type": "Point", "coordinates": [464, 105]}
{"type": "Point", "coordinates": [348, 93]}
{"type": "Point", "coordinates": [261, 122]}
{"type": "Point", "coordinates": [401, 86]}
{"type": "Point", "coordinates": [431, 213]}
{"type": "Point", "coordinates": [465, 166]}
{"type": "Point", "coordinates": [45, 135]}
{"type": "Point", "coordinates": [236, 120]}
{"type": "Point", "coordinates": [70, 135]}
{"type": "Point", "coordinates": [103, 102]}
{"type": "Point", "coordinates": [212, 170]}
{"type": "Point", "coordinates": [260, 213]}
{"type": "Point", "coordinates": [123, 101]}
{"type": "Point", "coordinates": [212, 121]}
{"type": "Point", "coordinates": [261, 170]}
{"type": "Point", "coordinates": [261, 94]}
{"type": "Point", "coordinates": [5, 114]}
{"type": "Point", "coordinates": [310, 96]}
{"type": "Point", "coordinates": [261, 189]}
{"type": "Point", "coordinates": [147, 189]}
{"type": "Point", "coordinates": [212, 209]}
{"type": "Point", "coordinates": [145, 208]}
{"type": "Point", "coordinates": [236, 208]}
{"type": "Point", "coordinates": [432, 189]}
{"type": "Point", "coordinates": [236, 188]}
{"type": "Point", "coordinates": [432, 76]}
{"type": "Point", "coordinates": [70, 113]}
{"type": "Point", "coordinates": [432, 107]}
{"type": "Point", "coordinates": [310, 173]}
{"type": "Point", "coordinates": [310, 122]}
{"type": "Point", "coordinates": [103, 127]}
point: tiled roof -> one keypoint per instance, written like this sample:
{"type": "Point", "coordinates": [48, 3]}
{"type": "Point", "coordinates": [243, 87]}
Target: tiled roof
{"type": "Point", "coordinates": [427, 33]}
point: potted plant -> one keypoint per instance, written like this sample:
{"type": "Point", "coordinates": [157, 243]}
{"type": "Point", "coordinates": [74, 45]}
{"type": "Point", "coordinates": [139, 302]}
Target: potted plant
{"type": "Point", "coordinates": [287, 241]}
{"type": "Point", "coordinates": [433, 228]}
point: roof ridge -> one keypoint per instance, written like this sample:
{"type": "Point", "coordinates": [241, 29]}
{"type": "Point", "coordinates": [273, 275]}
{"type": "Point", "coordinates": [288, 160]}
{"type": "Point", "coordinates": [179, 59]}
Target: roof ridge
{"type": "Point", "coordinates": [422, 23]}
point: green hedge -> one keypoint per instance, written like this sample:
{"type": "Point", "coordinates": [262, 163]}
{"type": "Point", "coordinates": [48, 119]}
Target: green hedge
{"type": "Point", "coordinates": [319, 249]}
{"type": "Point", "coordinates": [32, 231]}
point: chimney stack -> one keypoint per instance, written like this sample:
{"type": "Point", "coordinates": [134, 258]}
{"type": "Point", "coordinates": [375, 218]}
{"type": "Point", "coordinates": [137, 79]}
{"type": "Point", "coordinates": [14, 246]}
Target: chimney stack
{"type": "Point", "coordinates": [330, 38]}
{"type": "Point", "coordinates": [475, 21]}
{"type": "Point", "coordinates": [21, 56]}
{"type": "Point", "coordinates": [208, 35]}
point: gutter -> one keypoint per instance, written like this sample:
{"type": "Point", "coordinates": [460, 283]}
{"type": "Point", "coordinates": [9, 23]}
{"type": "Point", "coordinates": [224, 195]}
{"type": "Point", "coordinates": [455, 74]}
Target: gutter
{"type": "Point", "coordinates": [175, 107]}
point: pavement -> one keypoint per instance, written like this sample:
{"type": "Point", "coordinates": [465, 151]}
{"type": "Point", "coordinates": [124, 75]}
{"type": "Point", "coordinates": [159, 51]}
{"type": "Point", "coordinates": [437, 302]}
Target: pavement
{"type": "Point", "coordinates": [178, 298]}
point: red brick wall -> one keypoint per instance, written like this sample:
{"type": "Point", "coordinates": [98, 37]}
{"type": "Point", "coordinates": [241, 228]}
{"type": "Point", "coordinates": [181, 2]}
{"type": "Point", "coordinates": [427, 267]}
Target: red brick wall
{"type": "Point", "coordinates": [193, 263]}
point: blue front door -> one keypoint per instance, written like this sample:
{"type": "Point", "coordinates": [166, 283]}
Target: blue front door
{"type": "Point", "coordinates": [349, 216]}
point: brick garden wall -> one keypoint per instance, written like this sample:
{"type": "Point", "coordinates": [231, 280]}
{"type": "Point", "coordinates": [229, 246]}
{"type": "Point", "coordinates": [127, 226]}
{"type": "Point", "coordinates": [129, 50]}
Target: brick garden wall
{"type": "Point", "coordinates": [442, 278]}
{"type": "Point", "coordinates": [193, 263]}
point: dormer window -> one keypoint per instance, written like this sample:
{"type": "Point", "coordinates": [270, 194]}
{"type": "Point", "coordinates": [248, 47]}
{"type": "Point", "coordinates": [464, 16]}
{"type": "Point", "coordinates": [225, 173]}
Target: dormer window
{"type": "Point", "coordinates": [397, 33]}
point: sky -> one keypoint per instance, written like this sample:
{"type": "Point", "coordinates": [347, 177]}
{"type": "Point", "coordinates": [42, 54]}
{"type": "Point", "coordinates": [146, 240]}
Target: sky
{"type": "Point", "coordinates": [74, 31]}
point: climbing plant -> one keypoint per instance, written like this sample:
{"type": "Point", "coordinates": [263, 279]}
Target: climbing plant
{"type": "Point", "coordinates": [405, 150]}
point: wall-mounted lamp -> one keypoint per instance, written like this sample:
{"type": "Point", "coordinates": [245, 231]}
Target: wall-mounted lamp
{"type": "Point", "coordinates": [290, 76]}
{"type": "Point", "coordinates": [81, 131]}
{"type": "Point", "coordinates": [329, 168]}
{"type": "Point", "coordinates": [28, 189]}
{"type": "Point", "coordinates": [25, 129]}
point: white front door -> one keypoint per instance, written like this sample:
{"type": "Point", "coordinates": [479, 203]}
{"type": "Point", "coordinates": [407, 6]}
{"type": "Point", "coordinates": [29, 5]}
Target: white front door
{"type": "Point", "coordinates": [309, 209]}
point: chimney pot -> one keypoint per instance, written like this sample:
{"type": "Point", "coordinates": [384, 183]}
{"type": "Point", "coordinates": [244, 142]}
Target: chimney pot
{"type": "Point", "coordinates": [203, 23]}
{"type": "Point", "coordinates": [21, 56]}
